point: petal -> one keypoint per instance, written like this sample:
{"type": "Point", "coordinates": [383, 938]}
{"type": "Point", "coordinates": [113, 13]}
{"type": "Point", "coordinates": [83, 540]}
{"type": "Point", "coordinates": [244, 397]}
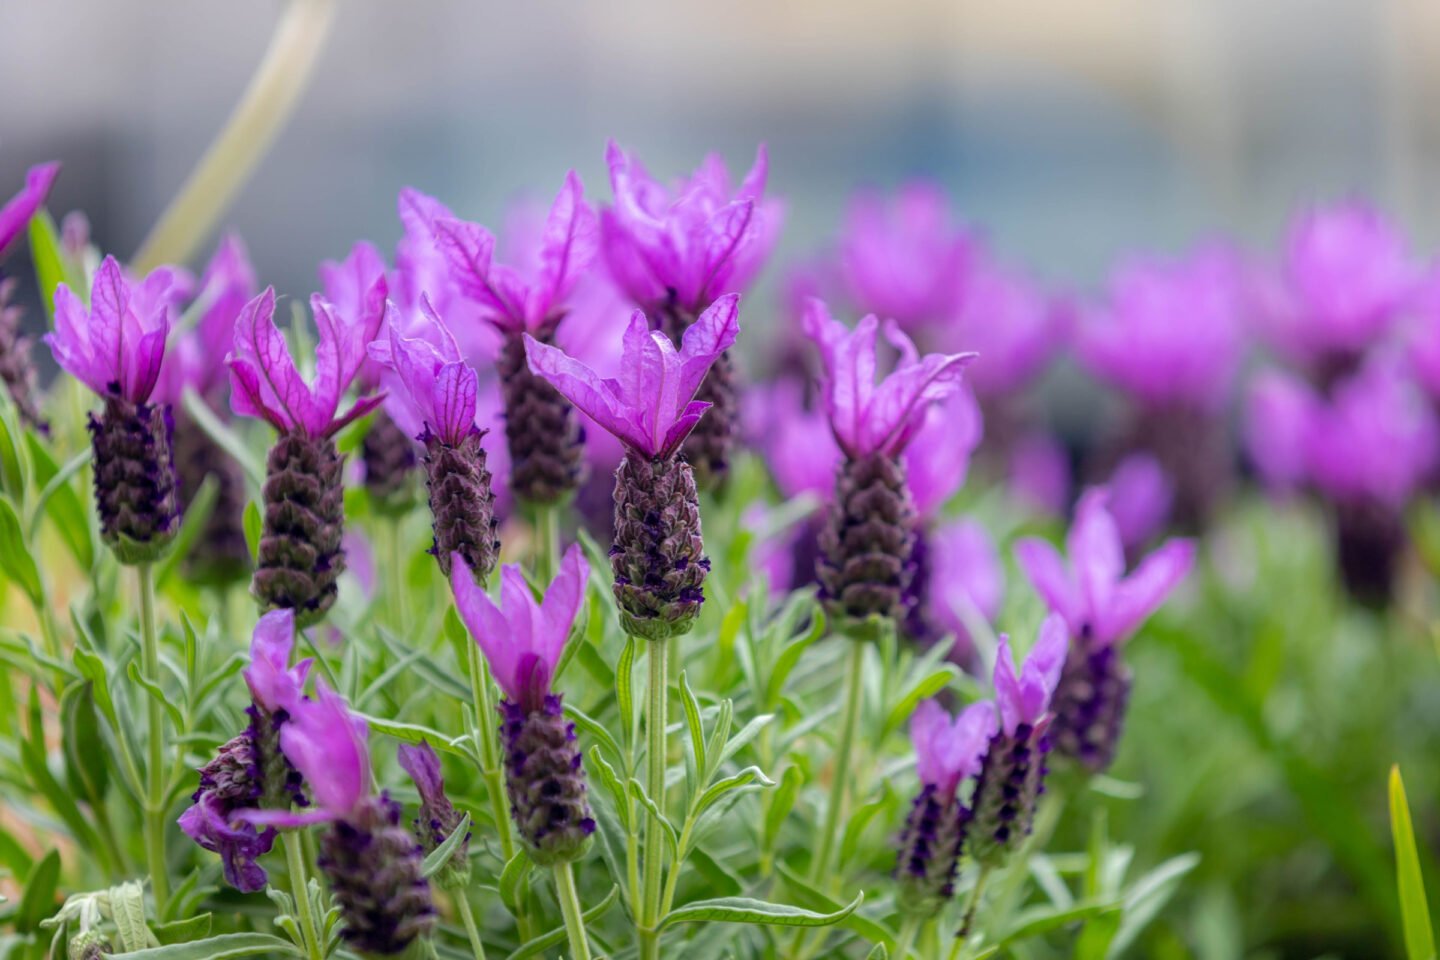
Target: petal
{"type": "Point", "coordinates": [421, 763]}
{"type": "Point", "coordinates": [105, 329]}
{"type": "Point", "coordinates": [488, 626]}
{"type": "Point", "coordinates": [1096, 553]}
{"type": "Point", "coordinates": [562, 604]}
{"type": "Point", "coordinates": [15, 215]}
{"type": "Point", "coordinates": [896, 411]}
{"type": "Point", "coordinates": [326, 743]}
{"type": "Point", "coordinates": [723, 235]}
{"type": "Point", "coordinates": [1047, 573]}
{"type": "Point", "coordinates": [469, 251]}
{"type": "Point", "coordinates": [457, 388]}
{"type": "Point", "coordinates": [271, 681]}
{"type": "Point", "coordinates": [706, 339]}
{"type": "Point", "coordinates": [593, 395]}
{"type": "Point", "coordinates": [1142, 593]}
{"type": "Point", "coordinates": [1042, 669]}
{"type": "Point", "coordinates": [928, 726]}
{"type": "Point", "coordinates": [70, 345]}
{"type": "Point", "coordinates": [568, 247]}
{"type": "Point", "coordinates": [272, 387]}
{"type": "Point", "coordinates": [1008, 695]}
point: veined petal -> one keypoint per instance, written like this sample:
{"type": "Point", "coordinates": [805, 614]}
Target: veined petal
{"type": "Point", "coordinates": [15, 215]}
{"type": "Point", "coordinates": [595, 396]}
{"type": "Point", "coordinates": [1142, 593]}
{"type": "Point", "coordinates": [270, 386]}
{"type": "Point", "coordinates": [488, 626]}
{"type": "Point", "coordinates": [568, 247]}
{"type": "Point", "coordinates": [326, 743]}
{"type": "Point", "coordinates": [562, 604]}
{"type": "Point", "coordinates": [714, 332]}
{"type": "Point", "coordinates": [1048, 574]}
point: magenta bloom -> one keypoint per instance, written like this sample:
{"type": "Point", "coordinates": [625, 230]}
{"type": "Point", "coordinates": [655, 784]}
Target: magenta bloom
{"type": "Point", "coordinates": [1010, 320]}
{"type": "Point", "coordinates": [523, 299]}
{"type": "Point", "coordinates": [358, 287]}
{"type": "Point", "coordinates": [1344, 280]}
{"type": "Point", "coordinates": [1039, 476]}
{"type": "Point", "coordinates": [966, 574]}
{"type": "Point", "coordinates": [1024, 696]}
{"type": "Point", "coordinates": [1170, 333]}
{"type": "Point", "coordinates": [1422, 338]}
{"type": "Point", "coordinates": [797, 443]}
{"type": "Point", "coordinates": [15, 215]}
{"type": "Point", "coordinates": [1278, 411]}
{"type": "Point", "coordinates": [947, 751]}
{"type": "Point", "coordinates": [193, 360]}
{"type": "Point", "coordinates": [116, 346]}
{"type": "Point", "coordinates": [266, 383]}
{"type": "Point", "coordinates": [938, 459]}
{"type": "Point", "coordinates": [688, 245]}
{"type": "Point", "coordinates": [650, 408]}
{"type": "Point", "coordinates": [868, 418]}
{"type": "Point", "coordinates": [522, 639]}
{"type": "Point", "coordinates": [1099, 603]}
{"type": "Point", "coordinates": [273, 683]}
{"type": "Point", "coordinates": [905, 259]}
{"type": "Point", "coordinates": [1140, 498]}
{"type": "Point", "coordinates": [440, 389]}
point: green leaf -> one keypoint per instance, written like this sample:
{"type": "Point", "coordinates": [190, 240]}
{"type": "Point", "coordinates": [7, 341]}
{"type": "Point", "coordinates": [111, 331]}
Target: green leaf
{"type": "Point", "coordinates": [52, 267]}
{"type": "Point", "coordinates": [223, 947]}
{"type": "Point", "coordinates": [127, 909]}
{"type": "Point", "coordinates": [254, 527]}
{"type": "Point", "coordinates": [155, 690]}
{"type": "Point", "coordinates": [808, 895]}
{"type": "Point", "coordinates": [719, 789]}
{"type": "Point", "coordinates": [59, 501]}
{"type": "Point", "coordinates": [926, 686]}
{"type": "Point", "coordinates": [547, 940]}
{"type": "Point", "coordinates": [512, 881]}
{"type": "Point", "coordinates": [14, 466]}
{"type": "Point", "coordinates": [15, 557]}
{"type": "Point", "coordinates": [1414, 908]}
{"type": "Point", "coordinates": [878, 952]}
{"type": "Point", "coordinates": [440, 856]}
{"type": "Point", "coordinates": [611, 779]}
{"type": "Point", "coordinates": [692, 721]}
{"type": "Point", "coordinates": [672, 839]}
{"type": "Point", "coordinates": [86, 765]}
{"type": "Point", "coordinates": [92, 668]}
{"type": "Point", "coordinates": [625, 687]}
{"type": "Point", "coordinates": [38, 900]}
{"type": "Point", "coordinates": [1149, 895]}
{"type": "Point", "coordinates": [782, 801]}
{"type": "Point", "coordinates": [1034, 923]}
{"type": "Point", "coordinates": [593, 727]}
{"type": "Point", "coordinates": [855, 827]}
{"type": "Point", "coordinates": [224, 436]}
{"type": "Point", "coordinates": [747, 910]}
{"type": "Point", "coordinates": [747, 733]}
{"type": "Point", "coordinates": [785, 663]}
{"type": "Point", "coordinates": [183, 931]}
{"type": "Point", "coordinates": [414, 733]}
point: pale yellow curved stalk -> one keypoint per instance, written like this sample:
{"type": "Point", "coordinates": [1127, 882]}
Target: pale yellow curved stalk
{"type": "Point", "coordinates": [252, 127]}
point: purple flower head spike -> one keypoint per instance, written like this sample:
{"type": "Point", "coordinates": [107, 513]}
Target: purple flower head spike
{"type": "Point", "coordinates": [1024, 696]}
{"type": "Point", "coordinates": [1010, 320]}
{"type": "Point", "coordinates": [440, 388]}
{"type": "Point", "coordinates": [115, 347]}
{"type": "Point", "coordinates": [267, 384]}
{"type": "Point", "coordinates": [1169, 334]}
{"type": "Point", "coordinates": [273, 683]}
{"type": "Point", "coordinates": [438, 817]}
{"type": "Point", "coordinates": [905, 259]}
{"type": "Point", "coordinates": [523, 639]}
{"type": "Point", "coordinates": [327, 744]}
{"type": "Point", "coordinates": [1344, 280]}
{"type": "Point", "coordinates": [949, 751]}
{"type": "Point", "coordinates": [523, 298]}
{"type": "Point", "coordinates": [15, 215]}
{"type": "Point", "coordinates": [877, 419]}
{"type": "Point", "coordinates": [650, 408]}
{"type": "Point", "coordinates": [685, 247]}
{"type": "Point", "coordinates": [1099, 603]}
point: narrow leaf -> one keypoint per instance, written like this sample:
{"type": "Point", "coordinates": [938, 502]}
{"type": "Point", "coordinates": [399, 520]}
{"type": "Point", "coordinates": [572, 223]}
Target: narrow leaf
{"type": "Point", "coordinates": [746, 910]}
{"type": "Point", "coordinates": [440, 856]}
{"type": "Point", "coordinates": [1414, 908]}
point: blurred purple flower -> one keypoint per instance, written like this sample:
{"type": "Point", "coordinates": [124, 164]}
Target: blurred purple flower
{"type": "Point", "coordinates": [438, 389]}
{"type": "Point", "coordinates": [193, 360]}
{"type": "Point", "coordinates": [1024, 697]}
{"type": "Point", "coordinates": [522, 639]}
{"type": "Point", "coordinates": [650, 408]}
{"type": "Point", "coordinates": [869, 418]}
{"type": "Point", "coordinates": [1040, 473]}
{"type": "Point", "coordinates": [358, 287]}
{"type": "Point", "coordinates": [266, 384]}
{"type": "Point", "coordinates": [938, 458]}
{"type": "Point", "coordinates": [688, 245]}
{"type": "Point", "coordinates": [903, 258]}
{"type": "Point", "coordinates": [117, 345]}
{"type": "Point", "coordinates": [1140, 498]}
{"type": "Point", "coordinates": [966, 574]}
{"type": "Point", "coordinates": [1099, 603]}
{"type": "Point", "coordinates": [1278, 410]}
{"type": "Point", "coordinates": [16, 213]}
{"type": "Point", "coordinates": [948, 751]}
{"type": "Point", "coordinates": [1169, 333]}
{"type": "Point", "coordinates": [797, 443]}
{"type": "Point", "coordinates": [1010, 321]}
{"type": "Point", "coordinates": [1422, 337]}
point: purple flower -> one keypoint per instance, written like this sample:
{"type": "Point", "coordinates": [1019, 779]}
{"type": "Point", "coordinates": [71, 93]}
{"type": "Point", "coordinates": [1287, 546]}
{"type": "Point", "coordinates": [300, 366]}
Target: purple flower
{"type": "Point", "coordinates": [966, 575]}
{"type": "Point", "coordinates": [1040, 473]}
{"type": "Point", "coordinates": [15, 215]}
{"type": "Point", "coordinates": [650, 408]}
{"type": "Point", "coordinates": [116, 346]}
{"type": "Point", "coordinates": [947, 751]}
{"type": "Point", "coordinates": [1008, 319]}
{"type": "Point", "coordinates": [273, 683]}
{"type": "Point", "coordinates": [513, 298]}
{"type": "Point", "coordinates": [797, 442]}
{"type": "Point", "coordinates": [1277, 417]}
{"type": "Point", "coordinates": [1344, 280]}
{"type": "Point", "coordinates": [522, 639]}
{"type": "Point", "coordinates": [438, 817]}
{"type": "Point", "coordinates": [905, 259]}
{"type": "Point", "coordinates": [1422, 338]}
{"type": "Point", "coordinates": [1099, 603]}
{"type": "Point", "coordinates": [440, 389]}
{"type": "Point", "coordinates": [358, 287]}
{"type": "Point", "coordinates": [868, 418]}
{"type": "Point", "coordinates": [938, 459]}
{"type": "Point", "coordinates": [688, 245]}
{"type": "Point", "coordinates": [211, 823]}
{"type": "Point", "coordinates": [1170, 332]}
{"type": "Point", "coordinates": [193, 360]}
{"type": "Point", "coordinates": [1140, 498]}
{"type": "Point", "coordinates": [1024, 697]}
{"type": "Point", "coordinates": [266, 383]}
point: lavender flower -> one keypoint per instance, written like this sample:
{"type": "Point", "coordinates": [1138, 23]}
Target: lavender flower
{"type": "Point", "coordinates": [865, 569]}
{"type": "Point", "coordinates": [1100, 606]}
{"type": "Point", "coordinates": [249, 771]}
{"type": "Point", "coordinates": [115, 347]}
{"type": "Point", "coordinates": [658, 557]}
{"type": "Point", "coordinates": [301, 555]}
{"type": "Point", "coordinates": [17, 369]}
{"type": "Point", "coordinates": [440, 393]}
{"type": "Point", "coordinates": [373, 863]}
{"type": "Point", "coordinates": [522, 640]}
{"type": "Point", "coordinates": [438, 817]}
{"type": "Point", "coordinates": [966, 583]}
{"type": "Point", "coordinates": [1012, 775]}
{"type": "Point", "coordinates": [1141, 497]}
{"type": "Point", "coordinates": [947, 752]}
{"type": "Point", "coordinates": [905, 259]}
{"type": "Point", "coordinates": [1011, 321]}
{"type": "Point", "coordinates": [674, 252]}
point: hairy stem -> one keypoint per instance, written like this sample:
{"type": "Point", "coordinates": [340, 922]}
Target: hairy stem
{"type": "Point", "coordinates": [300, 889]}
{"type": "Point", "coordinates": [467, 917]}
{"type": "Point", "coordinates": [155, 767]}
{"type": "Point", "coordinates": [655, 757]}
{"type": "Point", "coordinates": [840, 781]}
{"type": "Point", "coordinates": [547, 542]}
{"type": "Point", "coordinates": [570, 909]}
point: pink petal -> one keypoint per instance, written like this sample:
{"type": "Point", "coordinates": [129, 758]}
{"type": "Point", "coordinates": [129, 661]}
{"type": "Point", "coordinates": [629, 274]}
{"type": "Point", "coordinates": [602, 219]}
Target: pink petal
{"type": "Point", "coordinates": [1142, 593]}
{"type": "Point", "coordinates": [562, 604]}
{"type": "Point", "coordinates": [326, 743]}
{"type": "Point", "coordinates": [488, 626]}
{"type": "Point", "coordinates": [1096, 554]}
{"type": "Point", "coordinates": [270, 386]}
{"type": "Point", "coordinates": [723, 235]}
{"type": "Point", "coordinates": [16, 214]}
{"type": "Point", "coordinates": [707, 338]}
{"type": "Point", "coordinates": [568, 247]}
{"type": "Point", "coordinates": [591, 394]}
{"type": "Point", "coordinates": [1008, 694]}
{"type": "Point", "coordinates": [457, 388]}
{"type": "Point", "coordinates": [1047, 572]}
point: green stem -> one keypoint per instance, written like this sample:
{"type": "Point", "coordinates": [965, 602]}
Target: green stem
{"type": "Point", "coordinates": [971, 907]}
{"type": "Point", "coordinates": [547, 542]}
{"type": "Point", "coordinates": [908, 931]}
{"type": "Point", "coordinates": [841, 780]}
{"type": "Point", "coordinates": [300, 889]}
{"type": "Point", "coordinates": [655, 757]}
{"type": "Point", "coordinates": [467, 917]}
{"type": "Point", "coordinates": [570, 909]}
{"type": "Point", "coordinates": [155, 768]}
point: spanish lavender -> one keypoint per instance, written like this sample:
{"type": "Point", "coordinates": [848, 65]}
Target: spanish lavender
{"type": "Point", "coordinates": [440, 390]}
{"type": "Point", "coordinates": [17, 369]}
{"type": "Point", "coordinates": [300, 556]}
{"type": "Point", "coordinates": [115, 347]}
{"type": "Point", "coordinates": [438, 818]}
{"type": "Point", "coordinates": [673, 252]}
{"type": "Point", "coordinates": [1101, 607]}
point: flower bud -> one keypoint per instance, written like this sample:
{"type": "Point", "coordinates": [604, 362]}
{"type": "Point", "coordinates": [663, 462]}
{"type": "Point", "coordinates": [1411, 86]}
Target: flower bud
{"type": "Point", "coordinates": [545, 780]}
{"type": "Point", "coordinates": [390, 460]}
{"type": "Point", "coordinates": [301, 557]}
{"type": "Point", "coordinates": [1090, 705]}
{"type": "Point", "coordinates": [1011, 781]}
{"type": "Point", "coordinates": [866, 548]}
{"type": "Point", "coordinates": [658, 557]}
{"type": "Point", "coordinates": [930, 851]}
{"type": "Point", "coordinates": [542, 429]}
{"type": "Point", "coordinates": [462, 506]}
{"type": "Point", "coordinates": [135, 487]}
